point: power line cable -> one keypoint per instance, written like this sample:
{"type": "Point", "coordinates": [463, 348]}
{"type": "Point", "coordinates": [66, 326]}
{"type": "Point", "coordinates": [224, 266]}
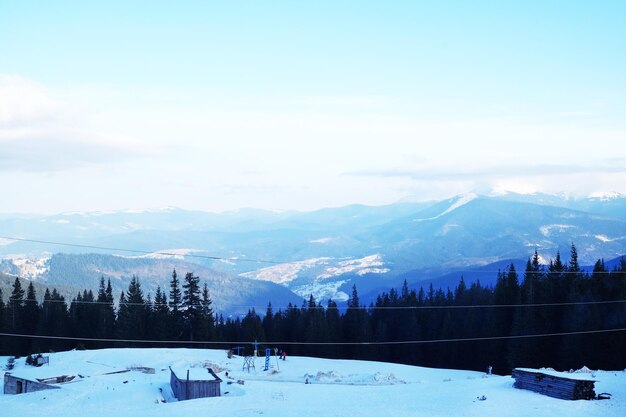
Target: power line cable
{"type": "Point", "coordinates": [372, 307]}
{"type": "Point", "coordinates": [144, 252]}
{"type": "Point", "coordinates": [400, 342]}
{"type": "Point", "coordinates": [351, 308]}
{"type": "Point", "coordinates": [253, 260]}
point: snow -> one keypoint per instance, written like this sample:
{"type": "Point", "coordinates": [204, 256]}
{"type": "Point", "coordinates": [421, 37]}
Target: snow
{"type": "Point", "coordinates": [606, 239]}
{"type": "Point", "coordinates": [322, 290]}
{"type": "Point", "coordinates": [461, 201]}
{"type": "Point", "coordinates": [547, 229]}
{"type": "Point", "coordinates": [165, 209]}
{"type": "Point", "coordinates": [336, 388]}
{"type": "Point", "coordinates": [321, 240]}
{"type": "Point", "coordinates": [283, 273]}
{"type": "Point", "coordinates": [30, 267]}
{"type": "Point", "coordinates": [583, 374]}
{"type": "Point", "coordinates": [362, 266]}
{"type": "Point", "coordinates": [606, 195]}
{"type": "Point", "coordinates": [165, 254]}
{"type": "Point", "coordinates": [447, 227]}
{"type": "Point", "coordinates": [288, 272]}
{"type": "Point", "coordinates": [195, 374]}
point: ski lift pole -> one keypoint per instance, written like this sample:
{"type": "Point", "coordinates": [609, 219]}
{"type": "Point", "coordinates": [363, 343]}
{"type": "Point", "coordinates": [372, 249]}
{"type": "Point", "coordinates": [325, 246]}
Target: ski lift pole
{"type": "Point", "coordinates": [267, 359]}
{"type": "Point", "coordinates": [276, 356]}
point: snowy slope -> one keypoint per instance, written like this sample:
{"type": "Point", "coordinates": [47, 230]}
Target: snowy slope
{"type": "Point", "coordinates": [337, 388]}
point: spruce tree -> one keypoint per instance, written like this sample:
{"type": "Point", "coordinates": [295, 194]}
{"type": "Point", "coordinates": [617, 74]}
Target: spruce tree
{"type": "Point", "coordinates": [132, 314]}
{"type": "Point", "coordinates": [2, 324]}
{"type": "Point", "coordinates": [105, 316]}
{"type": "Point", "coordinates": [355, 325]}
{"type": "Point", "coordinates": [30, 316]}
{"type": "Point", "coordinates": [268, 323]}
{"type": "Point", "coordinates": [175, 303]}
{"type": "Point", "coordinates": [54, 320]}
{"type": "Point", "coordinates": [252, 328]}
{"type": "Point", "coordinates": [160, 316]}
{"type": "Point", "coordinates": [207, 314]}
{"type": "Point", "coordinates": [192, 307]}
{"type": "Point", "coordinates": [14, 310]}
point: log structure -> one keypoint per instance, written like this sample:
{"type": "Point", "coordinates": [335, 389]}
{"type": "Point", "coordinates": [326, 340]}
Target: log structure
{"type": "Point", "coordinates": [556, 385]}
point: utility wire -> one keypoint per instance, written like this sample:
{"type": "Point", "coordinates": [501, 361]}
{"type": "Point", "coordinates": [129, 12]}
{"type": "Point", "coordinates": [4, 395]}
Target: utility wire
{"type": "Point", "coordinates": [352, 308]}
{"type": "Point", "coordinates": [400, 342]}
{"type": "Point", "coordinates": [372, 307]}
{"type": "Point", "coordinates": [262, 261]}
{"type": "Point", "coordinates": [144, 252]}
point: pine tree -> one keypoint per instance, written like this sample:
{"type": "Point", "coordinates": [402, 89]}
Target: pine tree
{"type": "Point", "coordinates": [525, 352]}
{"type": "Point", "coordinates": [353, 301]}
{"type": "Point", "coordinates": [160, 316]}
{"type": "Point", "coordinates": [505, 293]}
{"type": "Point", "coordinates": [30, 316]}
{"type": "Point", "coordinates": [132, 312]}
{"type": "Point", "coordinates": [269, 323]}
{"type": "Point", "coordinates": [105, 316]}
{"type": "Point", "coordinates": [252, 328]}
{"type": "Point", "coordinates": [317, 327]}
{"type": "Point", "coordinates": [2, 324]}
{"type": "Point", "coordinates": [573, 276]}
{"type": "Point", "coordinates": [83, 313]}
{"type": "Point", "coordinates": [192, 308]}
{"type": "Point", "coordinates": [574, 317]}
{"type": "Point", "coordinates": [16, 303]}
{"type": "Point", "coordinates": [355, 324]}
{"type": "Point", "coordinates": [175, 303]}
{"type": "Point", "coordinates": [207, 314]}
{"type": "Point", "coordinates": [14, 312]}
{"type": "Point", "coordinates": [54, 320]}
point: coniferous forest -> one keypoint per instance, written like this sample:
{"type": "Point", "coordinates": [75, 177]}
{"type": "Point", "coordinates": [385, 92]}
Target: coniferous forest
{"type": "Point", "coordinates": [525, 320]}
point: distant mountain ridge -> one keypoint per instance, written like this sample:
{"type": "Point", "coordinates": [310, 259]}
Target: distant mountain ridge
{"type": "Point", "coordinates": [325, 252]}
{"type": "Point", "coordinates": [73, 273]}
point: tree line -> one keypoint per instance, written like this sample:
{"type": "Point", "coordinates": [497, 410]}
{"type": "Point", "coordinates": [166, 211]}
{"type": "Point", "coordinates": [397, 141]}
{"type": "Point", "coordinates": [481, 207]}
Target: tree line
{"type": "Point", "coordinates": [545, 300]}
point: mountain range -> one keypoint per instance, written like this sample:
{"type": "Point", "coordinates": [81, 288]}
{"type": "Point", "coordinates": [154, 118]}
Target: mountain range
{"type": "Point", "coordinates": [250, 257]}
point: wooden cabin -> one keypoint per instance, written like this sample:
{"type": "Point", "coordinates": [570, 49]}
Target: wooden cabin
{"type": "Point", "coordinates": [16, 385]}
{"type": "Point", "coordinates": [555, 384]}
{"type": "Point", "coordinates": [188, 384]}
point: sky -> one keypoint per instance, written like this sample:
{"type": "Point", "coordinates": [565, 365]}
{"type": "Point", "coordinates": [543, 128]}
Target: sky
{"type": "Point", "coordinates": [220, 105]}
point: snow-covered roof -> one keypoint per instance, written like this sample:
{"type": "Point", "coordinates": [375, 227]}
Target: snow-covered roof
{"type": "Point", "coordinates": [195, 374]}
{"type": "Point", "coordinates": [583, 374]}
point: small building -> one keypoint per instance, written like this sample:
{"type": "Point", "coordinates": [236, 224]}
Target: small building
{"type": "Point", "coordinates": [16, 385]}
{"type": "Point", "coordinates": [555, 384]}
{"type": "Point", "coordinates": [188, 384]}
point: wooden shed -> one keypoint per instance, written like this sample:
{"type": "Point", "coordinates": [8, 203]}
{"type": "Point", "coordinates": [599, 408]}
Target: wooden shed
{"type": "Point", "coordinates": [555, 384]}
{"type": "Point", "coordinates": [16, 385]}
{"type": "Point", "coordinates": [188, 384]}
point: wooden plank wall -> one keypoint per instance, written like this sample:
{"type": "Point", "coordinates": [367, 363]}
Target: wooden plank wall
{"type": "Point", "coordinates": [189, 390]}
{"type": "Point", "coordinates": [11, 384]}
{"type": "Point", "coordinates": [554, 386]}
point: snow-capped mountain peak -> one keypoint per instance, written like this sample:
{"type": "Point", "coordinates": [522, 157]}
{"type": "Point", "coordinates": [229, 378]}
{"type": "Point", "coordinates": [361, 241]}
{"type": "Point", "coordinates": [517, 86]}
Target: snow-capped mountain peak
{"type": "Point", "coordinates": [606, 195]}
{"type": "Point", "coordinates": [459, 201]}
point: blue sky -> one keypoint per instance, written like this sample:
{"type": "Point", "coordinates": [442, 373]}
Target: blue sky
{"type": "Point", "coordinates": [301, 105]}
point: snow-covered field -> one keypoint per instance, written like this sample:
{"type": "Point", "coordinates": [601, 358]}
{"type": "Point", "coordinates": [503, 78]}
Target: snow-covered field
{"type": "Point", "coordinates": [337, 388]}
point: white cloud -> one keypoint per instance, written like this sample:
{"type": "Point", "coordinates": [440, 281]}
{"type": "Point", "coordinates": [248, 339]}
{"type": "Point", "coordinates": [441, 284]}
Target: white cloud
{"type": "Point", "coordinates": [148, 146]}
{"type": "Point", "coordinates": [41, 133]}
{"type": "Point", "coordinates": [23, 101]}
